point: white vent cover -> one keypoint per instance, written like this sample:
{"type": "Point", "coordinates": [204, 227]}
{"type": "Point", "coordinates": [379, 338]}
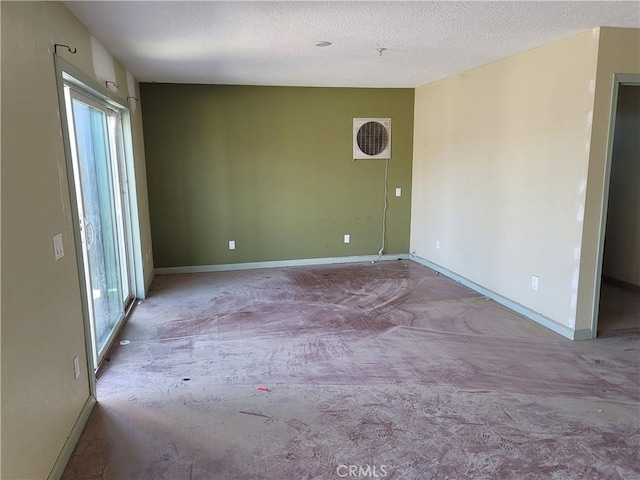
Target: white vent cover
{"type": "Point", "coordinates": [371, 138]}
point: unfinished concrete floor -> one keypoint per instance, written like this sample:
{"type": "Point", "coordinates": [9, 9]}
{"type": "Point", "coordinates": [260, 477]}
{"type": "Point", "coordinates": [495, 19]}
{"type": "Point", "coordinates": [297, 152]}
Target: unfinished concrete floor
{"type": "Point", "coordinates": [619, 311]}
{"type": "Point", "coordinates": [388, 368]}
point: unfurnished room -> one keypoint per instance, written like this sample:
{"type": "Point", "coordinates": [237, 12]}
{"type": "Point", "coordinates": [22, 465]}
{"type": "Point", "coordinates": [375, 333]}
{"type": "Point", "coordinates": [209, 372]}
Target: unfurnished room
{"type": "Point", "coordinates": [320, 240]}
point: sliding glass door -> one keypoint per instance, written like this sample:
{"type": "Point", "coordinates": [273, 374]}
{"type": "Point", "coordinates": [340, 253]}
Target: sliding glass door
{"type": "Point", "coordinates": [95, 133]}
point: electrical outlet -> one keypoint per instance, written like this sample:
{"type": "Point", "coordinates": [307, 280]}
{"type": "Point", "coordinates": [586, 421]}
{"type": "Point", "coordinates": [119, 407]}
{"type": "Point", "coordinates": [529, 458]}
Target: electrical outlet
{"type": "Point", "coordinates": [398, 192]}
{"type": "Point", "coordinates": [76, 366]}
{"type": "Point", "coordinates": [58, 247]}
{"type": "Point", "coordinates": [232, 244]}
{"type": "Point", "coordinates": [534, 283]}
{"type": "Point", "coordinates": [437, 244]}
{"type": "Point", "coordinates": [347, 238]}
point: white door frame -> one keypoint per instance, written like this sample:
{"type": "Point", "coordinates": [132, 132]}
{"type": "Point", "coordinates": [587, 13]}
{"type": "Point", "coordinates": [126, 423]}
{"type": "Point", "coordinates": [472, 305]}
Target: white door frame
{"type": "Point", "coordinates": [65, 72]}
{"type": "Point", "coordinates": [123, 247]}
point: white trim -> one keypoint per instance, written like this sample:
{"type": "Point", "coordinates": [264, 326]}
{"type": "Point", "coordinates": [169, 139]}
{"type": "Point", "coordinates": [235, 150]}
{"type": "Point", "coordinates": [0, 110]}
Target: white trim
{"type": "Point", "coordinates": [618, 79]}
{"type": "Point", "coordinates": [63, 69]}
{"type": "Point", "coordinates": [510, 304]}
{"type": "Point", "coordinates": [584, 334]}
{"type": "Point", "coordinates": [134, 212]}
{"type": "Point", "coordinates": [278, 263]}
{"type": "Point", "coordinates": [72, 440]}
{"type": "Point", "coordinates": [90, 92]}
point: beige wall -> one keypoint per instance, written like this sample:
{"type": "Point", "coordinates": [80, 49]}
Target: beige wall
{"type": "Point", "coordinates": [622, 247]}
{"type": "Point", "coordinates": [500, 170]}
{"type": "Point", "coordinates": [619, 52]}
{"type": "Point", "coordinates": [42, 327]}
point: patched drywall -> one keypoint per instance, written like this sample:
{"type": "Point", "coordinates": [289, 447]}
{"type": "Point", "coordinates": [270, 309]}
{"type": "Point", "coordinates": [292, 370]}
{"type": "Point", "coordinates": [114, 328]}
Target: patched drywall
{"type": "Point", "coordinates": [132, 93]}
{"type": "Point", "coordinates": [103, 64]}
{"type": "Point", "coordinates": [500, 174]}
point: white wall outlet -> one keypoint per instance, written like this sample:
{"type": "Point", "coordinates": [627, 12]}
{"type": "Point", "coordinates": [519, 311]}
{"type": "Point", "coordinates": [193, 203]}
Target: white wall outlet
{"type": "Point", "coordinates": [76, 366]}
{"type": "Point", "coordinates": [534, 283]}
{"type": "Point", "coordinates": [437, 244]}
{"type": "Point", "coordinates": [398, 192]}
{"type": "Point", "coordinates": [58, 246]}
{"type": "Point", "coordinates": [232, 244]}
{"type": "Point", "coordinates": [347, 238]}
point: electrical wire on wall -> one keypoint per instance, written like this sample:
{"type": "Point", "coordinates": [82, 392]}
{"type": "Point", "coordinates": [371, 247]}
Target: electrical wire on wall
{"type": "Point", "coordinates": [384, 212]}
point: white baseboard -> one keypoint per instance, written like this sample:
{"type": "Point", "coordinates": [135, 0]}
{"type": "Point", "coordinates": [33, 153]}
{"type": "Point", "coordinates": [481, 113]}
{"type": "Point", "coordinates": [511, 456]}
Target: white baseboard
{"type": "Point", "coordinates": [279, 263]}
{"type": "Point", "coordinates": [583, 334]}
{"type": "Point", "coordinates": [510, 304]}
{"type": "Point", "coordinates": [72, 440]}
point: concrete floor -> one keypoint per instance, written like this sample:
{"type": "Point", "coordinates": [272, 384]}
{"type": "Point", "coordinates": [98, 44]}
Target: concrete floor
{"type": "Point", "coordinates": [619, 311]}
{"type": "Point", "coordinates": [384, 370]}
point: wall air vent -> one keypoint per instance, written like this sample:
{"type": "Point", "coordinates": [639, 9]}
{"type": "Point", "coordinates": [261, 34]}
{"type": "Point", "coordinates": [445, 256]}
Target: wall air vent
{"type": "Point", "coordinates": [371, 138]}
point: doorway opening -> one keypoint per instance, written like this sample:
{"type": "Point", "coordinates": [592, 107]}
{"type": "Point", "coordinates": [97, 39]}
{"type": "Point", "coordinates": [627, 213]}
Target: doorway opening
{"type": "Point", "coordinates": [619, 294]}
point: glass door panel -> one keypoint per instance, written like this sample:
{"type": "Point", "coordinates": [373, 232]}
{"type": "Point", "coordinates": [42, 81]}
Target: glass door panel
{"type": "Point", "coordinates": [98, 206]}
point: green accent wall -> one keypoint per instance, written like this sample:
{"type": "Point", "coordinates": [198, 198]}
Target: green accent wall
{"type": "Point", "coordinates": [272, 169]}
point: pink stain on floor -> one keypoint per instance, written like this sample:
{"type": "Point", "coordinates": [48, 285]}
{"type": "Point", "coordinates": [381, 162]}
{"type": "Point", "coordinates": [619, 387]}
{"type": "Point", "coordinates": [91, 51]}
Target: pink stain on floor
{"type": "Point", "coordinates": [384, 364]}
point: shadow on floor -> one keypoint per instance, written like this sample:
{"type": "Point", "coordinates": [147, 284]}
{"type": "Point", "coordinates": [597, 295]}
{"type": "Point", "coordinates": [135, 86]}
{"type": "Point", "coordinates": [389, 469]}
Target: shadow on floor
{"type": "Point", "coordinates": [619, 313]}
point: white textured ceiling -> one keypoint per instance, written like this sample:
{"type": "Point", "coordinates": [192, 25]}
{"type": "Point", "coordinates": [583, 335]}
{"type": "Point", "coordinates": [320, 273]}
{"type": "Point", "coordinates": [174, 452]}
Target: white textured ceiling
{"type": "Point", "coordinates": [272, 43]}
